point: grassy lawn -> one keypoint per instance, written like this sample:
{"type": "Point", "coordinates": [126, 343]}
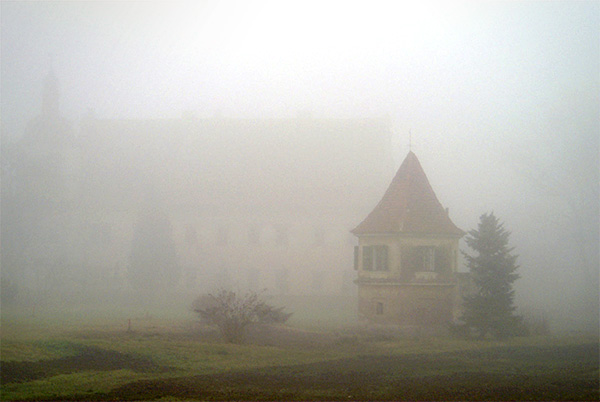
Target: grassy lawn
{"type": "Point", "coordinates": [95, 357]}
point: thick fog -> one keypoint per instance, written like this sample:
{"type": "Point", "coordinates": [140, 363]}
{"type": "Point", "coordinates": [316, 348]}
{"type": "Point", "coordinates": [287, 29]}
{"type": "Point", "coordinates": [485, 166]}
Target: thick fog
{"type": "Point", "coordinates": [224, 139]}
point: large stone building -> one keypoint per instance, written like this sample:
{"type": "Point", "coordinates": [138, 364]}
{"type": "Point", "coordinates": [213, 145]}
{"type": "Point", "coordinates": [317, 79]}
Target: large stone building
{"type": "Point", "coordinates": [206, 202]}
{"type": "Point", "coordinates": [407, 255]}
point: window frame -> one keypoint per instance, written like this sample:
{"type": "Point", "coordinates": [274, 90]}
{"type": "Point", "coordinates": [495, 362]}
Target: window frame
{"type": "Point", "coordinates": [429, 259]}
{"type": "Point", "coordinates": [375, 258]}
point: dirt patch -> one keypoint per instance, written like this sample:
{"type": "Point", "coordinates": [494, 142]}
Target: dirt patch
{"type": "Point", "coordinates": [526, 373]}
{"type": "Point", "coordinates": [87, 358]}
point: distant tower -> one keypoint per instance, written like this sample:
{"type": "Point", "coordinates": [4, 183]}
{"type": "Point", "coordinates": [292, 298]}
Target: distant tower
{"type": "Point", "coordinates": [50, 148]}
{"type": "Point", "coordinates": [407, 255]}
{"type": "Point", "coordinates": [49, 132]}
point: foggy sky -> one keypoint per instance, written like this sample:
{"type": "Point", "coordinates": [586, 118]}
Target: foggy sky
{"type": "Point", "coordinates": [501, 98]}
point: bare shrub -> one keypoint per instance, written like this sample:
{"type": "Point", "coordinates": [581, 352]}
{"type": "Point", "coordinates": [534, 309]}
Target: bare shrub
{"type": "Point", "coordinates": [232, 312]}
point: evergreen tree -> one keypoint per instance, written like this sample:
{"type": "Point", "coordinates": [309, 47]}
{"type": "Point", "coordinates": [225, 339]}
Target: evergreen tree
{"type": "Point", "coordinates": [493, 270]}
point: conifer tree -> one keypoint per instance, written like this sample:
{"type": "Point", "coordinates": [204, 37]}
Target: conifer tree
{"type": "Point", "coordinates": [490, 308]}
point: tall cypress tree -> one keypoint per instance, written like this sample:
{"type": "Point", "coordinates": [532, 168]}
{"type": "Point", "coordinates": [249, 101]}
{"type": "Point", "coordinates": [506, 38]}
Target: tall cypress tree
{"type": "Point", "coordinates": [493, 270]}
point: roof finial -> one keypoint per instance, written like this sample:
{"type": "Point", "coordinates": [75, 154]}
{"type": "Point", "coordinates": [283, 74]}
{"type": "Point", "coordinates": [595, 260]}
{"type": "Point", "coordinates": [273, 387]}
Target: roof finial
{"type": "Point", "coordinates": [409, 140]}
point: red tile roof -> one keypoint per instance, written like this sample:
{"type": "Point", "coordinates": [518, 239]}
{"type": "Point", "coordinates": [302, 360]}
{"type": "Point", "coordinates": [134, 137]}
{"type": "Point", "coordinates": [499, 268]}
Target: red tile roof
{"type": "Point", "coordinates": [408, 206]}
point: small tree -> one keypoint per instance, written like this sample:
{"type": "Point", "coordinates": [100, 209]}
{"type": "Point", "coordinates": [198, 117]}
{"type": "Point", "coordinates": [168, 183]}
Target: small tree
{"type": "Point", "coordinates": [233, 313]}
{"type": "Point", "coordinates": [493, 270]}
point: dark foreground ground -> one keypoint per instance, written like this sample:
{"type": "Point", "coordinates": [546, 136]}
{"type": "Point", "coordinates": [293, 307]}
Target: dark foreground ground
{"type": "Point", "coordinates": [568, 372]}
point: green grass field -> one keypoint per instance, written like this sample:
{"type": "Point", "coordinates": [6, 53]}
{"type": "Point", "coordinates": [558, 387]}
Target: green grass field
{"type": "Point", "coordinates": [92, 356]}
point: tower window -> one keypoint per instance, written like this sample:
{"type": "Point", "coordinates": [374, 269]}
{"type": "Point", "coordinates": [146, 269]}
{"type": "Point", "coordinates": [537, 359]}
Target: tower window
{"type": "Point", "coordinates": [429, 259]}
{"type": "Point", "coordinates": [375, 258]}
{"type": "Point", "coordinates": [379, 308]}
{"type": "Point", "coordinates": [424, 258]}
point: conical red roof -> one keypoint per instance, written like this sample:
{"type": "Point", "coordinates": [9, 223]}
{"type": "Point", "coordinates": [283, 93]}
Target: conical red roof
{"type": "Point", "coordinates": [408, 206]}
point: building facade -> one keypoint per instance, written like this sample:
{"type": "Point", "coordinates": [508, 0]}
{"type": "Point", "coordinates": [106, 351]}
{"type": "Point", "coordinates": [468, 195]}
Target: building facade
{"type": "Point", "coordinates": [406, 256]}
{"type": "Point", "coordinates": [206, 202]}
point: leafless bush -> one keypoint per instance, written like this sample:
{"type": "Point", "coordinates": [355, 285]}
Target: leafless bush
{"type": "Point", "coordinates": [232, 312]}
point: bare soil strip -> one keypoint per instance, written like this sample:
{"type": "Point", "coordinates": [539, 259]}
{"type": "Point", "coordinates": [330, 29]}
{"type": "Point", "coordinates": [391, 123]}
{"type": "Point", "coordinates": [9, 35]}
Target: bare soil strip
{"type": "Point", "coordinates": [87, 358]}
{"type": "Point", "coordinates": [516, 373]}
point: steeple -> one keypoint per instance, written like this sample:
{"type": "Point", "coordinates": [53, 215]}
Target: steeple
{"type": "Point", "coordinates": [49, 128]}
{"type": "Point", "coordinates": [408, 206]}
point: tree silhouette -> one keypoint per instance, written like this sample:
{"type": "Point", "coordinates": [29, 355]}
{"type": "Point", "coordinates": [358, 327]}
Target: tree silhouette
{"type": "Point", "coordinates": [493, 270]}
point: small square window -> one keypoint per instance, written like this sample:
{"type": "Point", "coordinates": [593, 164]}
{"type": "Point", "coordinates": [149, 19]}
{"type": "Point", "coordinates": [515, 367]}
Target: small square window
{"type": "Point", "coordinates": [375, 258]}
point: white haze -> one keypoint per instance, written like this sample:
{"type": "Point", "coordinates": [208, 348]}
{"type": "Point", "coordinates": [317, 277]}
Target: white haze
{"type": "Point", "coordinates": [501, 98]}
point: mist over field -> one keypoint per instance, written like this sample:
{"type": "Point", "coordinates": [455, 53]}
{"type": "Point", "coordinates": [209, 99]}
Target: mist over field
{"type": "Point", "coordinates": [160, 150]}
